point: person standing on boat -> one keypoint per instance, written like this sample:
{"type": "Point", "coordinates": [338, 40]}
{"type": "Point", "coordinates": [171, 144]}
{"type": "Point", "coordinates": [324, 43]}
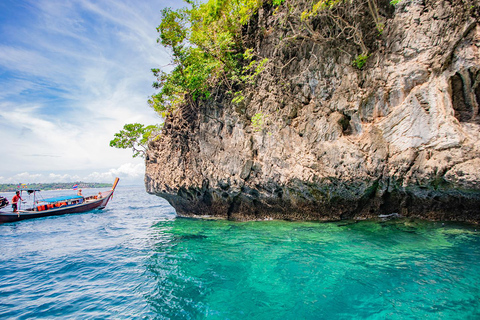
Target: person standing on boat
{"type": "Point", "coordinates": [79, 193]}
{"type": "Point", "coordinates": [15, 200]}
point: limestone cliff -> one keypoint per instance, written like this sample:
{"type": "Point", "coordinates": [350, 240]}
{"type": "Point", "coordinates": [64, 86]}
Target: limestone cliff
{"type": "Point", "coordinates": [401, 135]}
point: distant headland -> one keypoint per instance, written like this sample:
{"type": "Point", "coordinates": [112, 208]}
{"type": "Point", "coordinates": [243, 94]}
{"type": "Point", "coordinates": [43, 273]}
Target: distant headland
{"type": "Point", "coordinates": [52, 186]}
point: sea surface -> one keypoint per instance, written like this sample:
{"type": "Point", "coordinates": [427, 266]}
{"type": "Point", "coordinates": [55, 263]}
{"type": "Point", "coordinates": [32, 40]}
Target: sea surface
{"type": "Point", "coordinates": [137, 260]}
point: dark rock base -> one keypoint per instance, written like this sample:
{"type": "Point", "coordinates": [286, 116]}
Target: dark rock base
{"type": "Point", "coordinates": [253, 205]}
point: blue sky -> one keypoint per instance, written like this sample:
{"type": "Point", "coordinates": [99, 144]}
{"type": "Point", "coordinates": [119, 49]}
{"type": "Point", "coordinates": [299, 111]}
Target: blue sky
{"type": "Point", "coordinates": [72, 73]}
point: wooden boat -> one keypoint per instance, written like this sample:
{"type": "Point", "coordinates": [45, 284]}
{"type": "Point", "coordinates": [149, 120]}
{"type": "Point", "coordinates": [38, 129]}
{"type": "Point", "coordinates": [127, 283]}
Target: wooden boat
{"type": "Point", "coordinates": [59, 205]}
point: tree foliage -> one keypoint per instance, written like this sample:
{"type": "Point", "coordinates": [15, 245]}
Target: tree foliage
{"type": "Point", "coordinates": [135, 136]}
{"type": "Point", "coordinates": [360, 61]}
{"type": "Point", "coordinates": [206, 47]}
{"type": "Point", "coordinates": [258, 121]}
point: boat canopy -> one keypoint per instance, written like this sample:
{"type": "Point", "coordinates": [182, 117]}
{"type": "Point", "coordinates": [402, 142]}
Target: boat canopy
{"type": "Point", "coordinates": [64, 198]}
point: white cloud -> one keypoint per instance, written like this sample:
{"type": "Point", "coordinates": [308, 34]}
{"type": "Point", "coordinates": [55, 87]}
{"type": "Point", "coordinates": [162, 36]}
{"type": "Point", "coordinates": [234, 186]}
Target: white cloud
{"type": "Point", "coordinates": [23, 60]}
{"type": "Point", "coordinates": [127, 171]}
{"type": "Point", "coordinates": [72, 74]}
{"type": "Point", "coordinates": [52, 177]}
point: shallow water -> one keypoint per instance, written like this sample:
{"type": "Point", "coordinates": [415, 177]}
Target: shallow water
{"type": "Point", "coordinates": [135, 259]}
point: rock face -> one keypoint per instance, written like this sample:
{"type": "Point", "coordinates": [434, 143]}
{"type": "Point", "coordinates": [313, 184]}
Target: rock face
{"type": "Point", "coordinates": [401, 135]}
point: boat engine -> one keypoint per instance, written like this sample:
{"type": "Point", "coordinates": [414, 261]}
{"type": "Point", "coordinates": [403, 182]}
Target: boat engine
{"type": "Point", "coordinates": [3, 202]}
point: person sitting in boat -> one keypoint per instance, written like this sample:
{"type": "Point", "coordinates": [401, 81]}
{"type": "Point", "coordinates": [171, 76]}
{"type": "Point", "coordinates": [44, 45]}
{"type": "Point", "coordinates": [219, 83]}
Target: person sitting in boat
{"type": "Point", "coordinates": [15, 200]}
{"type": "Point", "coordinates": [79, 193]}
{"type": "Point", "coordinates": [99, 195]}
{"type": "Point", "coordinates": [3, 202]}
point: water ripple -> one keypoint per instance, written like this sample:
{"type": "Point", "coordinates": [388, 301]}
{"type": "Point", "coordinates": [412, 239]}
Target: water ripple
{"type": "Point", "coordinates": [136, 260]}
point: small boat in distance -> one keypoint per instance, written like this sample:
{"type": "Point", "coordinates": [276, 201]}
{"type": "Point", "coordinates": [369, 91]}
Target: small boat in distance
{"type": "Point", "coordinates": [58, 205]}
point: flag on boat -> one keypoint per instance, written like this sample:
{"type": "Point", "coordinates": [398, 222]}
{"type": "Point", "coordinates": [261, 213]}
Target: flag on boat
{"type": "Point", "coordinates": [75, 186]}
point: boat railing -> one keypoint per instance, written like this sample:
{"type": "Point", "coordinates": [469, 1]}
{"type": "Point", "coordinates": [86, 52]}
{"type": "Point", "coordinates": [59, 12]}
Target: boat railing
{"type": "Point", "coordinates": [95, 197]}
{"type": "Point", "coordinates": [42, 205]}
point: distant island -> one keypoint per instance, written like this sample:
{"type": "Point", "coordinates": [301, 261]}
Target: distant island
{"type": "Point", "coordinates": [52, 186]}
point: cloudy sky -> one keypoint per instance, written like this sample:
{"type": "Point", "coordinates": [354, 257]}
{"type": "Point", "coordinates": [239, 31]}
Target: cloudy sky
{"type": "Point", "coordinates": [72, 73]}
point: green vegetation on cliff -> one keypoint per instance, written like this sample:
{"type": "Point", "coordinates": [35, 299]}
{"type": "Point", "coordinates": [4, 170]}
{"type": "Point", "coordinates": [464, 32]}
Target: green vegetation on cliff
{"type": "Point", "coordinates": [207, 49]}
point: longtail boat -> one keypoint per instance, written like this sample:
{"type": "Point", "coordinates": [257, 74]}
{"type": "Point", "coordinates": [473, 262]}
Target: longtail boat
{"type": "Point", "coordinates": [58, 205]}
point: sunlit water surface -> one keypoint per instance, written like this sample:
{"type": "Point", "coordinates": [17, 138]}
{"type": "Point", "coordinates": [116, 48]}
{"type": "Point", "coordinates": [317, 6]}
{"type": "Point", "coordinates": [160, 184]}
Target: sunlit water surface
{"type": "Point", "coordinates": [135, 259]}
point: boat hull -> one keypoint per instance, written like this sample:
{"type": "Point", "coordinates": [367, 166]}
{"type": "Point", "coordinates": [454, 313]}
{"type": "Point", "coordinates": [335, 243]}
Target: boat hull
{"type": "Point", "coordinates": [78, 208]}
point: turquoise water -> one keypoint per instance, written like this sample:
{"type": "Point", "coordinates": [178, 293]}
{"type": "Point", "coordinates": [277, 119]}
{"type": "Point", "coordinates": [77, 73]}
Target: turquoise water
{"type": "Point", "coordinates": [137, 260]}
